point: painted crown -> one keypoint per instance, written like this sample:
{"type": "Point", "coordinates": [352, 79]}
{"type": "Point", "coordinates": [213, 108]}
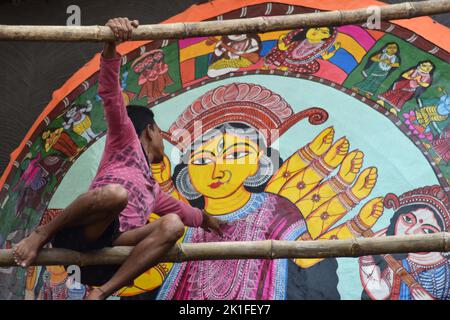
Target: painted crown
{"type": "Point", "coordinates": [246, 103]}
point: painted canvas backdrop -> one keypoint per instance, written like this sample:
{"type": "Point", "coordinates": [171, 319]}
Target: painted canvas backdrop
{"type": "Point", "coordinates": [348, 126]}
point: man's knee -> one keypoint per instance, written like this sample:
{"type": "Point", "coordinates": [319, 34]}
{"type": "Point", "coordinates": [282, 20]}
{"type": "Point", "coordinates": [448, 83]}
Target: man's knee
{"type": "Point", "coordinates": [112, 197]}
{"type": "Point", "coordinates": [172, 227]}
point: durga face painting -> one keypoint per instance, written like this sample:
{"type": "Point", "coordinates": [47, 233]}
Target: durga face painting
{"type": "Point", "coordinates": [230, 169]}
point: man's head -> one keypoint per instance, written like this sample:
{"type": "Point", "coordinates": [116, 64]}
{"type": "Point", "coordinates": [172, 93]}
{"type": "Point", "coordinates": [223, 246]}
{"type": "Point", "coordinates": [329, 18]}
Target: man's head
{"type": "Point", "coordinates": [148, 132]}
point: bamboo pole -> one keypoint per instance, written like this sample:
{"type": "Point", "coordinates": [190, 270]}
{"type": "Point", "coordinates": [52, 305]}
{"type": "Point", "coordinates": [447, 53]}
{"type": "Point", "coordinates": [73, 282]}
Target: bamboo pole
{"type": "Point", "coordinates": [268, 249]}
{"type": "Point", "coordinates": [403, 10]}
{"type": "Point", "coordinates": [397, 267]}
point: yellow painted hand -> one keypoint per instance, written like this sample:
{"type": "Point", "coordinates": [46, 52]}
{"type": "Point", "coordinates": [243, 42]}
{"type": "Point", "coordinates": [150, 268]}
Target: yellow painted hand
{"type": "Point", "coordinates": [161, 171]}
{"type": "Point", "coordinates": [371, 212]}
{"type": "Point", "coordinates": [337, 152]}
{"type": "Point", "coordinates": [348, 171]}
{"type": "Point", "coordinates": [322, 142]}
{"type": "Point", "coordinates": [308, 179]}
{"type": "Point", "coordinates": [301, 159]}
{"type": "Point", "coordinates": [350, 166]}
{"type": "Point", "coordinates": [281, 45]}
{"type": "Point", "coordinates": [367, 217]}
{"type": "Point", "coordinates": [365, 183]}
{"type": "Point", "coordinates": [327, 214]}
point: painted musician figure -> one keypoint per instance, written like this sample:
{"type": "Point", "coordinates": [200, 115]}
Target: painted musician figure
{"type": "Point", "coordinates": [233, 52]}
{"type": "Point", "coordinates": [411, 83]}
{"type": "Point", "coordinates": [299, 50]}
{"type": "Point", "coordinates": [420, 211]}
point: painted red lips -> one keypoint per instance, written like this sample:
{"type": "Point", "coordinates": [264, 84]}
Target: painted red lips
{"type": "Point", "coordinates": [215, 185]}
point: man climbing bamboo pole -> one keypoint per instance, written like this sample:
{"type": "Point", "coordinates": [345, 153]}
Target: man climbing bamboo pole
{"type": "Point", "coordinates": [235, 26]}
{"type": "Point", "coordinates": [114, 211]}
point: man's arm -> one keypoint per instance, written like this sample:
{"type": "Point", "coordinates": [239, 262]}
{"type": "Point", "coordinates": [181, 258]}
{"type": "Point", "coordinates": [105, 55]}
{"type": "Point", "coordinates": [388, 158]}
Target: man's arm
{"type": "Point", "coordinates": [191, 217]}
{"type": "Point", "coordinates": [119, 125]}
{"type": "Point", "coordinates": [165, 204]}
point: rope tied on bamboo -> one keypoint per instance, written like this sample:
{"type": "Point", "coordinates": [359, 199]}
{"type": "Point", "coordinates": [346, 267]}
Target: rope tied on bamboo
{"type": "Point", "coordinates": [355, 249]}
{"type": "Point", "coordinates": [412, 9]}
{"type": "Point", "coordinates": [272, 251]}
{"type": "Point", "coordinates": [97, 33]}
{"type": "Point", "coordinates": [445, 242]}
{"type": "Point", "coordinates": [180, 252]}
{"type": "Point", "coordinates": [341, 16]}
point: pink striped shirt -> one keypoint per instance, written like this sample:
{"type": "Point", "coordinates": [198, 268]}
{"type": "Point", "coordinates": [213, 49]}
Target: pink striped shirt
{"type": "Point", "coordinates": [123, 161]}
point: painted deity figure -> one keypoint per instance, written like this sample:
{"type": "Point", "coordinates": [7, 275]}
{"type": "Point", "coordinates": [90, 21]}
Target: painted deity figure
{"type": "Point", "coordinates": [37, 175]}
{"type": "Point", "coordinates": [38, 170]}
{"type": "Point", "coordinates": [59, 140]}
{"type": "Point", "coordinates": [412, 276]}
{"type": "Point", "coordinates": [441, 146]}
{"type": "Point", "coordinates": [154, 75]}
{"type": "Point", "coordinates": [78, 119]}
{"type": "Point", "coordinates": [231, 170]}
{"type": "Point", "coordinates": [299, 50]}
{"type": "Point", "coordinates": [377, 69]}
{"type": "Point", "coordinates": [233, 52]}
{"type": "Point", "coordinates": [54, 284]}
{"type": "Point", "coordinates": [421, 120]}
{"type": "Point", "coordinates": [33, 176]}
{"type": "Point", "coordinates": [411, 83]}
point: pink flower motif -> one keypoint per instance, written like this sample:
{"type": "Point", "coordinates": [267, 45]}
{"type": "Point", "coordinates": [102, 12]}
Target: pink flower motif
{"type": "Point", "coordinates": [429, 136]}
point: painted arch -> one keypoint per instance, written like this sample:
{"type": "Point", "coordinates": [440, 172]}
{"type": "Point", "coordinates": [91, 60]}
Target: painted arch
{"type": "Point", "coordinates": [350, 132]}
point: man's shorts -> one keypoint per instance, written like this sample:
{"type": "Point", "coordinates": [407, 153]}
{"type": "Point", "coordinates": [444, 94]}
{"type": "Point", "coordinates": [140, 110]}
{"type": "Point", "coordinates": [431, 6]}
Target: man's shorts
{"type": "Point", "coordinates": [75, 239]}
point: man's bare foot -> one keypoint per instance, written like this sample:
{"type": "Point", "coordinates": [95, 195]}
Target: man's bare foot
{"type": "Point", "coordinates": [25, 251]}
{"type": "Point", "coordinates": [96, 294]}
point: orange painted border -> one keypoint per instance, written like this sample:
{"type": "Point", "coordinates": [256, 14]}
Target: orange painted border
{"type": "Point", "coordinates": [422, 26]}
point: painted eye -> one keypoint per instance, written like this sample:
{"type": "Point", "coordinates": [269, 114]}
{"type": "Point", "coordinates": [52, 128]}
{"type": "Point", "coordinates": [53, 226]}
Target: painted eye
{"type": "Point", "coordinates": [407, 219]}
{"type": "Point", "coordinates": [220, 146]}
{"type": "Point", "coordinates": [236, 155]}
{"type": "Point", "coordinates": [428, 230]}
{"type": "Point", "coordinates": [201, 161]}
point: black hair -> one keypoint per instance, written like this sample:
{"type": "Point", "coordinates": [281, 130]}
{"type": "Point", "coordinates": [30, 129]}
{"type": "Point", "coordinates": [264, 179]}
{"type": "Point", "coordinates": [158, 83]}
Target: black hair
{"type": "Point", "coordinates": [302, 34]}
{"type": "Point", "coordinates": [141, 117]}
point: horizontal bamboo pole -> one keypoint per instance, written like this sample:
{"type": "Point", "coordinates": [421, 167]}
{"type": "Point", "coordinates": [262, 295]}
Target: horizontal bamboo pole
{"type": "Point", "coordinates": [403, 10]}
{"type": "Point", "coordinates": [268, 249]}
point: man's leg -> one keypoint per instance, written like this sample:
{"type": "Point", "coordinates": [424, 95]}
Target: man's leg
{"type": "Point", "coordinates": [151, 242]}
{"type": "Point", "coordinates": [95, 210]}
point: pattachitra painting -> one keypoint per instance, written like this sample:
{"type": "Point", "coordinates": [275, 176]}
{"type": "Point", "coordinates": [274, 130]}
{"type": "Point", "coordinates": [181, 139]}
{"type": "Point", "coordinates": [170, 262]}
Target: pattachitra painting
{"type": "Point", "coordinates": [347, 128]}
